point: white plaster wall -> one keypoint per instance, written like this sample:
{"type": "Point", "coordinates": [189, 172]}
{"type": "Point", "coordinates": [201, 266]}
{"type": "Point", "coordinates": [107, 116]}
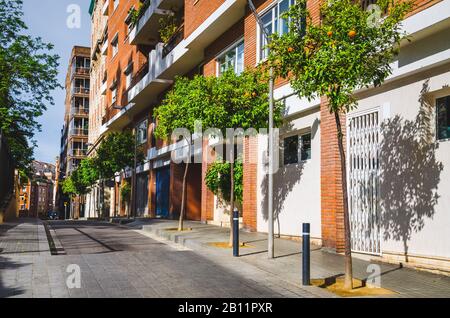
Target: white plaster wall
{"type": "Point", "coordinates": [414, 176]}
{"type": "Point", "coordinates": [296, 187]}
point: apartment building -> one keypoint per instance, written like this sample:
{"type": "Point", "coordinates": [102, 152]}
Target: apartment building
{"type": "Point", "coordinates": [74, 134]}
{"type": "Point", "coordinates": [397, 181]}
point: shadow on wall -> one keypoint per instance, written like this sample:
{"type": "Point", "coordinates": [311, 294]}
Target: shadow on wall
{"type": "Point", "coordinates": [284, 180]}
{"type": "Point", "coordinates": [410, 173]}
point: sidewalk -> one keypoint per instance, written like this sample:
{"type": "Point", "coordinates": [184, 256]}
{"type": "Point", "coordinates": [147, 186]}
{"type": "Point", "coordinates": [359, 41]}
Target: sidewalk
{"type": "Point", "coordinates": [23, 252]}
{"type": "Point", "coordinates": [287, 263]}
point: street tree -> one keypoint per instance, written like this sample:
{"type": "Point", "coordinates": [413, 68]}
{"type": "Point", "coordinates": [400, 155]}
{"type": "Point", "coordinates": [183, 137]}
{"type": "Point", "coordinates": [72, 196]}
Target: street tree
{"type": "Point", "coordinates": [230, 101]}
{"type": "Point", "coordinates": [116, 152]}
{"type": "Point", "coordinates": [28, 76]}
{"type": "Point", "coordinates": [351, 48]}
{"type": "Point", "coordinates": [189, 101]}
{"type": "Point", "coordinates": [242, 100]}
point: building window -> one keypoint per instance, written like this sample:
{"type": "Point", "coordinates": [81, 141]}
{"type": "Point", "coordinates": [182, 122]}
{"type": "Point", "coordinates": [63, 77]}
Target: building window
{"type": "Point", "coordinates": [113, 95]}
{"type": "Point", "coordinates": [297, 147]}
{"type": "Point", "coordinates": [141, 132]}
{"type": "Point", "coordinates": [233, 58]}
{"type": "Point", "coordinates": [115, 45]}
{"type": "Point", "coordinates": [273, 23]}
{"type": "Point", "coordinates": [128, 75]}
{"type": "Point", "coordinates": [443, 117]}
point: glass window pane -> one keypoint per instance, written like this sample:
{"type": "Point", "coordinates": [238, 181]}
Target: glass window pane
{"type": "Point", "coordinates": [291, 150]}
{"type": "Point", "coordinates": [284, 23]}
{"type": "Point", "coordinates": [443, 117]}
{"type": "Point", "coordinates": [240, 58]}
{"type": "Point", "coordinates": [306, 147]}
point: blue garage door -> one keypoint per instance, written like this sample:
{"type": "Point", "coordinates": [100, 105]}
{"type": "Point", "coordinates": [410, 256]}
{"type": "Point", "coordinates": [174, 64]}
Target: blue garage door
{"type": "Point", "coordinates": [162, 192]}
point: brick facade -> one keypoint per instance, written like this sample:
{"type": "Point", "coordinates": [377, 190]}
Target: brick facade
{"type": "Point", "coordinates": [250, 183]}
{"type": "Point", "coordinates": [196, 12]}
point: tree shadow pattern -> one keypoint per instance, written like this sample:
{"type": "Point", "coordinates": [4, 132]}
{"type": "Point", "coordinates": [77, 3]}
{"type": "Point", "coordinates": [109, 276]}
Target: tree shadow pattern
{"type": "Point", "coordinates": [410, 173]}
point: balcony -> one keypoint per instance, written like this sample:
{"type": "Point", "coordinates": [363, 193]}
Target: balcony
{"type": "Point", "coordinates": [78, 152]}
{"type": "Point", "coordinates": [80, 91]}
{"type": "Point", "coordinates": [105, 8]}
{"type": "Point", "coordinates": [146, 29]}
{"type": "Point", "coordinates": [177, 57]}
{"type": "Point", "coordinates": [104, 49]}
{"type": "Point", "coordinates": [79, 111]}
{"type": "Point", "coordinates": [79, 132]}
{"type": "Point", "coordinates": [104, 88]}
{"type": "Point", "coordinates": [81, 71]}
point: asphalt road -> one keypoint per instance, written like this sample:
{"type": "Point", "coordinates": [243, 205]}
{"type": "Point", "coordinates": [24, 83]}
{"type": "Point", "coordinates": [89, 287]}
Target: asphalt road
{"type": "Point", "coordinates": [118, 262]}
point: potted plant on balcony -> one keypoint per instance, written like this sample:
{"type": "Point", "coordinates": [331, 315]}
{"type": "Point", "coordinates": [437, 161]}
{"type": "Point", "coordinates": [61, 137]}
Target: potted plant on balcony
{"type": "Point", "coordinates": [168, 28]}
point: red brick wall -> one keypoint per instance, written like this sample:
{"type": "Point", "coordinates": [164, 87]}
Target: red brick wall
{"type": "Point", "coordinates": [196, 12]}
{"type": "Point", "coordinates": [250, 183]}
{"type": "Point", "coordinates": [116, 65]}
{"type": "Point", "coordinates": [331, 181]}
{"type": "Point", "coordinates": [228, 38]}
{"type": "Point", "coordinates": [207, 200]}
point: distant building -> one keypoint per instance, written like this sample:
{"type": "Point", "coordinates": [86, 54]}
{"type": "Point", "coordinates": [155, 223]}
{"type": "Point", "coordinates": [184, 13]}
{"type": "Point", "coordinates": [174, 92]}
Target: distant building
{"type": "Point", "coordinates": [37, 195]}
{"type": "Point", "coordinates": [74, 134]}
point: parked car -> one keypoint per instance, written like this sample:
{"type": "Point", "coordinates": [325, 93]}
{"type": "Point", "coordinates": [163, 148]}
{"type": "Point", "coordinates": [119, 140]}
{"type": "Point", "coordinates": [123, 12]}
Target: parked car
{"type": "Point", "coordinates": [53, 215]}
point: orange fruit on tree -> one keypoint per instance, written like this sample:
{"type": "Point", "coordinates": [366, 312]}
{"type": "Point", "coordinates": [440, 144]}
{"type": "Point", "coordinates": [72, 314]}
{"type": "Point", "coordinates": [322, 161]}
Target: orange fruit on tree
{"type": "Point", "coordinates": [352, 33]}
{"type": "Point", "coordinates": [330, 33]}
{"type": "Point", "coordinates": [290, 49]}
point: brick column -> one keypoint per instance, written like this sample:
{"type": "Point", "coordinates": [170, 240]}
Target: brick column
{"type": "Point", "coordinates": [207, 201]}
{"type": "Point", "coordinates": [250, 181]}
{"type": "Point", "coordinates": [331, 182]}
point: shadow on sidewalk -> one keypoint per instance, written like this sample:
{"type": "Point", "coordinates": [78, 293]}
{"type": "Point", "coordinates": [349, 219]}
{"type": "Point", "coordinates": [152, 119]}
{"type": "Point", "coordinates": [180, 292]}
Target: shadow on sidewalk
{"type": "Point", "coordinates": [5, 265]}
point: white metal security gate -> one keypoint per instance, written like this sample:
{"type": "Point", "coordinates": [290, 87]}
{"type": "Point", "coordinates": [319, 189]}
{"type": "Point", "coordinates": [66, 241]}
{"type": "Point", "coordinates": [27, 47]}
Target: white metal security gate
{"type": "Point", "coordinates": [363, 167]}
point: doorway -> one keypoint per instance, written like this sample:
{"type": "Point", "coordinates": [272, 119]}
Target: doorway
{"type": "Point", "coordinates": [162, 192]}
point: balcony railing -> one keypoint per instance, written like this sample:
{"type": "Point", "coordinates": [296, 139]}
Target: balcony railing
{"type": "Point", "coordinates": [82, 71]}
{"type": "Point", "coordinates": [79, 111]}
{"type": "Point", "coordinates": [105, 8]}
{"type": "Point", "coordinates": [82, 132]}
{"type": "Point", "coordinates": [147, 24]}
{"type": "Point", "coordinates": [81, 90]}
{"type": "Point", "coordinates": [78, 152]}
{"type": "Point", "coordinates": [174, 41]}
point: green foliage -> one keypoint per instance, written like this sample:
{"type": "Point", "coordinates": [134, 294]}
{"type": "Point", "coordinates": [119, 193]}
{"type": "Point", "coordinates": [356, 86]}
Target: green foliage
{"type": "Point", "coordinates": [218, 180]}
{"type": "Point", "coordinates": [188, 101]}
{"type": "Point", "coordinates": [167, 27]}
{"type": "Point", "coordinates": [68, 187]}
{"type": "Point", "coordinates": [350, 49]}
{"type": "Point", "coordinates": [137, 14]}
{"type": "Point", "coordinates": [115, 153]}
{"type": "Point", "coordinates": [125, 192]}
{"type": "Point", "coordinates": [228, 101]}
{"type": "Point", "coordinates": [81, 179]}
{"type": "Point", "coordinates": [28, 75]}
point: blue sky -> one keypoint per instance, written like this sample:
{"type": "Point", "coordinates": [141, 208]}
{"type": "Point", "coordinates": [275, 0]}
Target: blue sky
{"type": "Point", "coordinates": [47, 19]}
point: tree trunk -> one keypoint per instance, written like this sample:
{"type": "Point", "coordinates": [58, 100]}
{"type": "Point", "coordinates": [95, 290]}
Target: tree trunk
{"type": "Point", "coordinates": [348, 283]}
{"type": "Point", "coordinates": [183, 195]}
{"type": "Point", "coordinates": [183, 198]}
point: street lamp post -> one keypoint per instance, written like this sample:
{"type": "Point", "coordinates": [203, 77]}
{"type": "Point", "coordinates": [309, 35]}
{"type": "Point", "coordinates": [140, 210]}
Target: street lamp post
{"type": "Point", "coordinates": [270, 213]}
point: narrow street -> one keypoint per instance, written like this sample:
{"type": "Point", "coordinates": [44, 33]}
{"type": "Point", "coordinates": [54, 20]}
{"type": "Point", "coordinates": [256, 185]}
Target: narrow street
{"type": "Point", "coordinates": [118, 262]}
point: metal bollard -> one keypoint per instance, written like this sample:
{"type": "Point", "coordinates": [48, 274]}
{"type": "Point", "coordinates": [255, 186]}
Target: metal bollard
{"type": "Point", "coordinates": [235, 233]}
{"type": "Point", "coordinates": [306, 255]}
